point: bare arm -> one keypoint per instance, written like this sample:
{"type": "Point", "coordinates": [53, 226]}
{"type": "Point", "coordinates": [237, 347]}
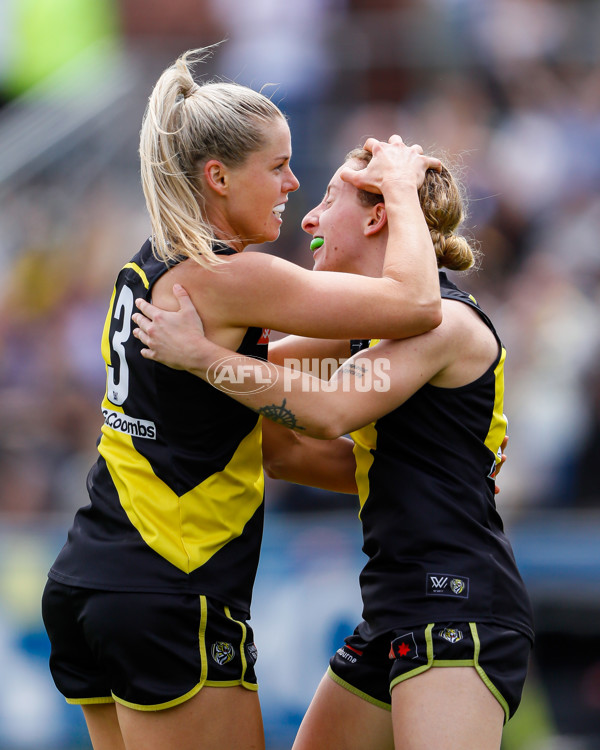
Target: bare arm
{"type": "Point", "coordinates": [256, 289]}
{"type": "Point", "coordinates": [366, 387]}
{"type": "Point", "coordinates": [308, 349]}
{"type": "Point", "coordinates": [329, 464]}
{"type": "Point", "coordinates": [454, 354]}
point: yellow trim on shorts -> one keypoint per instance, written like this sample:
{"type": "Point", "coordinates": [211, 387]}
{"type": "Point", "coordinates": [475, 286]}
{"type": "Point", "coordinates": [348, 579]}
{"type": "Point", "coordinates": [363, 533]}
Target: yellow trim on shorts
{"type": "Point", "coordinates": [89, 701]}
{"type": "Point", "coordinates": [160, 706]}
{"type": "Point", "coordinates": [486, 680]}
{"type": "Point", "coordinates": [231, 683]}
{"type": "Point", "coordinates": [202, 639]}
{"type": "Point", "coordinates": [241, 681]}
{"type": "Point", "coordinates": [203, 671]}
{"type": "Point", "coordinates": [356, 691]}
{"type": "Point", "coordinates": [424, 667]}
{"type": "Point", "coordinates": [474, 662]}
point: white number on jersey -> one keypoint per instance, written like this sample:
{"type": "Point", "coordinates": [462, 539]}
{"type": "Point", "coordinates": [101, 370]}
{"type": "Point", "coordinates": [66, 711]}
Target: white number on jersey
{"type": "Point", "coordinates": [118, 392]}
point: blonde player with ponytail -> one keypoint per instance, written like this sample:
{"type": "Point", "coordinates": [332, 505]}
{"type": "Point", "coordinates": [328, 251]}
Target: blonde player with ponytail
{"type": "Point", "coordinates": [147, 604]}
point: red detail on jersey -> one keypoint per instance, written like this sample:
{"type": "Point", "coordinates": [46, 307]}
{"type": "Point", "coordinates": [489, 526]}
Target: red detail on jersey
{"type": "Point", "coordinates": [356, 651]}
{"type": "Point", "coordinates": [403, 649]}
{"type": "Point", "coordinates": [264, 339]}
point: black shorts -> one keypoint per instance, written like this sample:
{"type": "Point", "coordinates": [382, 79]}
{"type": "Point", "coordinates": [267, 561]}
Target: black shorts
{"type": "Point", "coordinates": [147, 651]}
{"type": "Point", "coordinates": [370, 669]}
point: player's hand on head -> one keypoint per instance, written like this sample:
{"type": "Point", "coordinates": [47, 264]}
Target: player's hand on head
{"type": "Point", "coordinates": [169, 337]}
{"type": "Point", "coordinates": [393, 163]}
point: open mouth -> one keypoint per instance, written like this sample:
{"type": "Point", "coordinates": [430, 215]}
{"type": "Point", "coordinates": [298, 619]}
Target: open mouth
{"type": "Point", "coordinates": [278, 210]}
{"type": "Point", "coordinates": [316, 243]}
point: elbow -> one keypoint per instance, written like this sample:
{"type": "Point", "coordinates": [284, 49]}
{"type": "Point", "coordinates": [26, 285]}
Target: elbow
{"type": "Point", "coordinates": [277, 454]}
{"type": "Point", "coordinates": [278, 462]}
{"type": "Point", "coordinates": [428, 315]}
{"type": "Point", "coordinates": [434, 313]}
{"type": "Point", "coordinates": [273, 468]}
{"type": "Point", "coordinates": [331, 430]}
{"type": "Point", "coordinates": [414, 314]}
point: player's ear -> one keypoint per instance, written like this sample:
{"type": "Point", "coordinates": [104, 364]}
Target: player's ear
{"type": "Point", "coordinates": [377, 219]}
{"type": "Point", "coordinates": [216, 176]}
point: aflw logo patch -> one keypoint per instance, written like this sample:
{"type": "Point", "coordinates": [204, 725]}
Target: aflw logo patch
{"type": "Point", "coordinates": [444, 584]}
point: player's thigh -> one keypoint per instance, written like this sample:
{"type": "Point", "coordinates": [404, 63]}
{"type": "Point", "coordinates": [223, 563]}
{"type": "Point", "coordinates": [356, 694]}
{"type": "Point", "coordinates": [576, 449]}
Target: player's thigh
{"type": "Point", "coordinates": [216, 718]}
{"type": "Point", "coordinates": [337, 718]}
{"type": "Point", "coordinates": [103, 726]}
{"type": "Point", "coordinates": [447, 708]}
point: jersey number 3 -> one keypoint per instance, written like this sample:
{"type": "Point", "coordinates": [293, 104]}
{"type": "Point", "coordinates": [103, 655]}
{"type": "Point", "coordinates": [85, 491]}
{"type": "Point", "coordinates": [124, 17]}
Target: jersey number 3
{"type": "Point", "coordinates": [117, 392]}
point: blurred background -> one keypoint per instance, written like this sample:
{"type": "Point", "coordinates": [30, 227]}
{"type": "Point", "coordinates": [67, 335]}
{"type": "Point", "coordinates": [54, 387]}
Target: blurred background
{"type": "Point", "coordinates": [510, 90]}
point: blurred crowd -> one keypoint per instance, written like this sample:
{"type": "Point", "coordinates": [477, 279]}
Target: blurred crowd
{"type": "Point", "coordinates": [507, 90]}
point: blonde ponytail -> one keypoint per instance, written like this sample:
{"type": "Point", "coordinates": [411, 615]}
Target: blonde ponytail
{"type": "Point", "coordinates": [186, 123]}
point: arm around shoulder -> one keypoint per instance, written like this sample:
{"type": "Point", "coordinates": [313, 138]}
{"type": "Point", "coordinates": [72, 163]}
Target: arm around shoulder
{"type": "Point", "coordinates": [262, 290]}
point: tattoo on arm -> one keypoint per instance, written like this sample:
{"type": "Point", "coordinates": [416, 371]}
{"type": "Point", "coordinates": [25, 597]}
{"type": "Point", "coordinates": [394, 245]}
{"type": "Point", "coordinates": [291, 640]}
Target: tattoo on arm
{"type": "Point", "coordinates": [281, 415]}
{"type": "Point", "coordinates": [353, 369]}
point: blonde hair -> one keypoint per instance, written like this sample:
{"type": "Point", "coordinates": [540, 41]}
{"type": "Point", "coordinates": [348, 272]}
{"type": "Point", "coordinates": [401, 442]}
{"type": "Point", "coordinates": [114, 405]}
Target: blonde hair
{"type": "Point", "coordinates": [185, 124]}
{"type": "Point", "coordinates": [444, 206]}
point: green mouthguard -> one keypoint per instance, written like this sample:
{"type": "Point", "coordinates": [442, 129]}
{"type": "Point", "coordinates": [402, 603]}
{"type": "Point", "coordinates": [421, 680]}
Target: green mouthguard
{"type": "Point", "coordinates": [316, 243]}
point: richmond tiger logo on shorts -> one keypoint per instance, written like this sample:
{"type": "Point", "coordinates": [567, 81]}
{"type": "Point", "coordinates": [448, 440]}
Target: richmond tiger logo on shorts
{"type": "Point", "coordinates": [451, 634]}
{"type": "Point", "coordinates": [222, 652]}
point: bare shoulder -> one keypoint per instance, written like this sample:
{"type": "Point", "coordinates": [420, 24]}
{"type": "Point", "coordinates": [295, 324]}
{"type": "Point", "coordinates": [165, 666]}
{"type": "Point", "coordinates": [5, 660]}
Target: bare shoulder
{"type": "Point", "coordinates": [246, 272]}
{"type": "Point", "coordinates": [234, 274]}
{"type": "Point", "coordinates": [460, 319]}
{"type": "Point", "coordinates": [469, 342]}
{"type": "Point", "coordinates": [252, 261]}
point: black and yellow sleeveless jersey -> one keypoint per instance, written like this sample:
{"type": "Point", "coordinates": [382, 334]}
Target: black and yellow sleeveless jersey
{"type": "Point", "coordinates": [177, 490]}
{"type": "Point", "coordinates": [435, 541]}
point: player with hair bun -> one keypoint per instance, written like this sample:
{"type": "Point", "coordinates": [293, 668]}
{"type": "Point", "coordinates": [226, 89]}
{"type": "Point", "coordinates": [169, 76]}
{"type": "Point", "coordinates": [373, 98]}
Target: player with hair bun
{"type": "Point", "coordinates": [440, 657]}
